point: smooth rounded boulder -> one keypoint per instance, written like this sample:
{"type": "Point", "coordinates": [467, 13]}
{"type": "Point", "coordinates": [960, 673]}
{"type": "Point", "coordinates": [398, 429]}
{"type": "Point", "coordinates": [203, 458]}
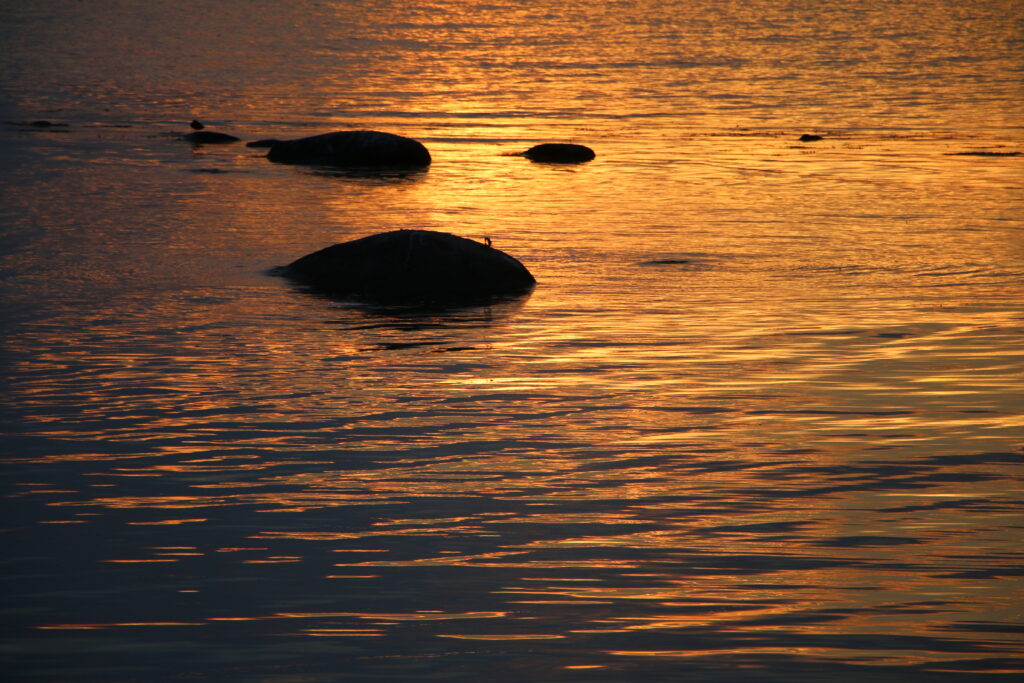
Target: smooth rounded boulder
{"type": "Point", "coordinates": [559, 153]}
{"type": "Point", "coordinates": [352, 148]}
{"type": "Point", "coordinates": [410, 266]}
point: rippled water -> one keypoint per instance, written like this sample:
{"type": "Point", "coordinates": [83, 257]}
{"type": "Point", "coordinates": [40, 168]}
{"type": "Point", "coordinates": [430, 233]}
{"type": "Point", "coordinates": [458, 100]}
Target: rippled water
{"type": "Point", "coordinates": [760, 420]}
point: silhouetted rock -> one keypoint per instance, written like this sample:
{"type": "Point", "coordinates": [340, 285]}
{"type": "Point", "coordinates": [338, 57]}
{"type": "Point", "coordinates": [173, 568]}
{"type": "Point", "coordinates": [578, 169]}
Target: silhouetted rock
{"type": "Point", "coordinates": [559, 153]}
{"type": "Point", "coordinates": [205, 137]}
{"type": "Point", "coordinates": [262, 143]}
{"type": "Point", "coordinates": [412, 266]}
{"type": "Point", "coordinates": [37, 124]}
{"type": "Point", "coordinates": [352, 148]}
{"type": "Point", "coordinates": [981, 153]}
{"type": "Point", "coordinates": [195, 124]}
{"type": "Point", "coordinates": [667, 262]}
{"type": "Point", "coordinates": [807, 137]}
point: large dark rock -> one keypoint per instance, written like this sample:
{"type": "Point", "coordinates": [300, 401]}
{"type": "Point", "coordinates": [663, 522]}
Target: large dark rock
{"type": "Point", "coordinates": [352, 148]}
{"type": "Point", "coordinates": [413, 266]}
{"type": "Point", "coordinates": [559, 153]}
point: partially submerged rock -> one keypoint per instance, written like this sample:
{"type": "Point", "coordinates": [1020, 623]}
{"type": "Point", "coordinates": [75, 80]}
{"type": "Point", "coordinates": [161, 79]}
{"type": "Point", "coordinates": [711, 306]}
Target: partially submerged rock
{"type": "Point", "coordinates": [810, 137]}
{"type": "Point", "coordinates": [40, 125]}
{"type": "Point", "coordinates": [412, 266]}
{"type": "Point", "coordinates": [559, 153]}
{"type": "Point", "coordinates": [982, 153]}
{"type": "Point", "coordinates": [352, 148]}
{"type": "Point", "coordinates": [667, 262]}
{"type": "Point", "coordinates": [204, 137]}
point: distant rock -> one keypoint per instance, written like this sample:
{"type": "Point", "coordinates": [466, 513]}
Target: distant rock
{"type": "Point", "coordinates": [352, 148]}
{"type": "Point", "coordinates": [206, 137]}
{"type": "Point", "coordinates": [667, 262]}
{"type": "Point", "coordinates": [262, 143]}
{"type": "Point", "coordinates": [981, 153]}
{"type": "Point", "coordinates": [559, 153]}
{"type": "Point", "coordinates": [807, 137]}
{"type": "Point", "coordinates": [195, 124]}
{"type": "Point", "coordinates": [41, 124]}
{"type": "Point", "coordinates": [412, 266]}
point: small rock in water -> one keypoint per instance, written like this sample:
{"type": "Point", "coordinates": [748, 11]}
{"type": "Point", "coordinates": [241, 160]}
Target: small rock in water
{"type": "Point", "coordinates": [353, 149]}
{"type": "Point", "coordinates": [559, 153]}
{"type": "Point", "coordinates": [985, 154]}
{"type": "Point", "coordinates": [808, 137]}
{"type": "Point", "coordinates": [668, 262]}
{"type": "Point", "coordinates": [209, 136]}
{"type": "Point", "coordinates": [36, 124]}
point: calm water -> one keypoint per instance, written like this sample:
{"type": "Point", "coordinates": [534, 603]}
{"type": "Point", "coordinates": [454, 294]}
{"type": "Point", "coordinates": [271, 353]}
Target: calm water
{"type": "Point", "coordinates": [761, 420]}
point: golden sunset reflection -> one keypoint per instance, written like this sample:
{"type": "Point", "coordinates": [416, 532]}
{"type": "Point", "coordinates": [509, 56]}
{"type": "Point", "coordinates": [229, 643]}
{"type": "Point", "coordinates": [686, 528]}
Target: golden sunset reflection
{"type": "Point", "coordinates": [502, 636]}
{"type": "Point", "coordinates": [97, 627]}
{"type": "Point", "coordinates": [409, 616]}
{"type": "Point", "coordinates": [891, 657]}
{"type": "Point", "coordinates": [342, 632]}
{"type": "Point", "coordinates": [166, 522]}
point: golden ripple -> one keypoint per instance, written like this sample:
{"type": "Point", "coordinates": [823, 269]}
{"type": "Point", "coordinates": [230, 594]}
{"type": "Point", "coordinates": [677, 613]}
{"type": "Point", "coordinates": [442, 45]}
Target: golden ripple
{"type": "Point", "coordinates": [96, 627]}
{"type": "Point", "coordinates": [502, 636]}
{"type": "Point", "coordinates": [426, 615]}
{"type": "Point", "coordinates": [170, 522]}
{"type": "Point", "coordinates": [880, 658]}
{"type": "Point", "coordinates": [150, 560]}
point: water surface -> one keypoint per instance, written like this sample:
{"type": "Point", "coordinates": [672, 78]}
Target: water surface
{"type": "Point", "coordinates": [760, 419]}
